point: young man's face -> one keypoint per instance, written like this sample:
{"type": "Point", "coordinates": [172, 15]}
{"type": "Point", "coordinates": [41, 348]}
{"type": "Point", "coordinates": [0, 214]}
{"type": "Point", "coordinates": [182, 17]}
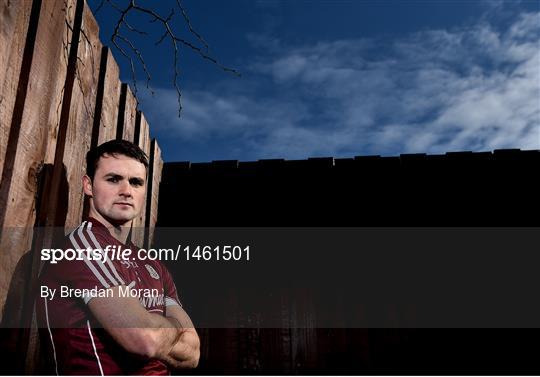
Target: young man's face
{"type": "Point", "coordinates": [117, 190]}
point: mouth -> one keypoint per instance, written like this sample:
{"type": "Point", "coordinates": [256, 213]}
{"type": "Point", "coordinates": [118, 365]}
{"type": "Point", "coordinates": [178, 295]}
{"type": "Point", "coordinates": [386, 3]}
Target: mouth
{"type": "Point", "coordinates": [124, 204]}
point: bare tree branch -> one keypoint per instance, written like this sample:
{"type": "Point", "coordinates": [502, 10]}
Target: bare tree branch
{"type": "Point", "coordinates": [134, 29]}
{"type": "Point", "coordinates": [139, 56]}
{"type": "Point", "coordinates": [134, 54]}
{"type": "Point", "coordinates": [188, 22]}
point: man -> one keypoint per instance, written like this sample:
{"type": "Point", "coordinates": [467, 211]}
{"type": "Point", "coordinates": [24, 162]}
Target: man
{"type": "Point", "coordinates": [113, 331]}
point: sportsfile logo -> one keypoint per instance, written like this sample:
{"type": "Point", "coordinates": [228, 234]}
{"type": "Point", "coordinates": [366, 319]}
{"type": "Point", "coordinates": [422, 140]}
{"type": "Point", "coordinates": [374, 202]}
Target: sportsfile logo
{"type": "Point", "coordinates": [188, 253]}
{"type": "Point", "coordinates": [110, 252]}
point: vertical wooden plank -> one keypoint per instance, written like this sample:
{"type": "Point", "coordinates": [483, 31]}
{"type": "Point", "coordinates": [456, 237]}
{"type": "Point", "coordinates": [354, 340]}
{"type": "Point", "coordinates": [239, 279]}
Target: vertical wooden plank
{"type": "Point", "coordinates": [37, 126]}
{"type": "Point", "coordinates": [32, 132]}
{"type": "Point", "coordinates": [108, 114]}
{"type": "Point", "coordinates": [130, 116]}
{"type": "Point", "coordinates": [106, 106]}
{"type": "Point", "coordinates": [304, 351]}
{"type": "Point", "coordinates": [14, 20]}
{"type": "Point", "coordinates": [62, 197]}
{"type": "Point", "coordinates": [142, 139]}
{"type": "Point", "coordinates": [77, 89]}
{"type": "Point", "coordinates": [127, 114]}
{"type": "Point", "coordinates": [145, 141]}
{"type": "Point", "coordinates": [81, 115]}
{"type": "Point", "coordinates": [285, 332]}
{"type": "Point", "coordinates": [154, 179]}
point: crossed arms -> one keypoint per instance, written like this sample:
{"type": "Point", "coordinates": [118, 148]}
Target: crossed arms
{"type": "Point", "coordinates": [171, 338]}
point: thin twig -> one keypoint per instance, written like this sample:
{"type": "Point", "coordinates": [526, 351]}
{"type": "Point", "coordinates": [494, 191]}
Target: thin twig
{"type": "Point", "coordinates": [139, 56]}
{"type": "Point", "coordinates": [165, 23]}
{"type": "Point", "coordinates": [131, 28]}
{"type": "Point", "coordinates": [188, 22]}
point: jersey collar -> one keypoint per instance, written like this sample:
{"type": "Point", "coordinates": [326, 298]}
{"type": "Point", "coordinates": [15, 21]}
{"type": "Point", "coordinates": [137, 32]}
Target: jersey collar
{"type": "Point", "coordinates": [97, 226]}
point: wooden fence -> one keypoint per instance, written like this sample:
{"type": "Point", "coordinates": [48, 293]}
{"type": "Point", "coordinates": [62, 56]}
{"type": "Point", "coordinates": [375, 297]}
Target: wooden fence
{"type": "Point", "coordinates": [60, 94]}
{"type": "Point", "coordinates": [488, 189]}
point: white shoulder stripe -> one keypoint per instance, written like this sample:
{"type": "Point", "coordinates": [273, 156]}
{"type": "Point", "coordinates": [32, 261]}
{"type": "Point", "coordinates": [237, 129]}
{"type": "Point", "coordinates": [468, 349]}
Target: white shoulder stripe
{"type": "Point", "coordinates": [98, 262]}
{"type": "Point", "coordinates": [76, 229]}
{"type": "Point", "coordinates": [90, 265]}
{"type": "Point", "coordinates": [108, 260]}
{"type": "Point", "coordinates": [50, 334]}
{"type": "Point", "coordinates": [94, 345]}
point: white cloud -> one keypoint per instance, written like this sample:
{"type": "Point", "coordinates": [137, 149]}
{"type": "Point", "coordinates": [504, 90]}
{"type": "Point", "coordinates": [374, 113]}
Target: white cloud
{"type": "Point", "coordinates": [526, 27]}
{"type": "Point", "coordinates": [433, 91]}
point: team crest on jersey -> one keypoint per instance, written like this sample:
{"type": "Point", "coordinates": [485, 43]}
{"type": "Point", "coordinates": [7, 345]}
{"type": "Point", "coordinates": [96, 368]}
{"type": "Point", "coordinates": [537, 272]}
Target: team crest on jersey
{"type": "Point", "coordinates": [152, 271]}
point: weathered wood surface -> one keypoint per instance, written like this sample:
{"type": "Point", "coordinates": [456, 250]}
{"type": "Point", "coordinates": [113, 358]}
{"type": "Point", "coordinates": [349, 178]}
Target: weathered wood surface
{"type": "Point", "coordinates": [14, 20]}
{"type": "Point", "coordinates": [143, 134]}
{"type": "Point", "coordinates": [37, 135]}
{"type": "Point", "coordinates": [59, 95]}
{"type": "Point", "coordinates": [155, 170]}
{"type": "Point", "coordinates": [50, 114]}
{"type": "Point", "coordinates": [142, 139]}
{"type": "Point", "coordinates": [111, 95]}
{"type": "Point", "coordinates": [81, 115]}
{"type": "Point", "coordinates": [126, 120]}
{"type": "Point", "coordinates": [30, 148]}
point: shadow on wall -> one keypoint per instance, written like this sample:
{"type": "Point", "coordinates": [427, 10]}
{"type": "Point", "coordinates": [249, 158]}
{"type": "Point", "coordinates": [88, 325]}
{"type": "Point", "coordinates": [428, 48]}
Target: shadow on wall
{"type": "Point", "coordinates": [19, 341]}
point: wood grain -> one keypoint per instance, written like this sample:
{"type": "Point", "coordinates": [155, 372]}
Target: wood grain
{"type": "Point", "coordinates": [14, 18]}
{"type": "Point", "coordinates": [111, 96]}
{"type": "Point", "coordinates": [156, 167]}
{"type": "Point", "coordinates": [37, 135]}
{"type": "Point", "coordinates": [60, 93]}
{"type": "Point", "coordinates": [142, 138]}
{"type": "Point", "coordinates": [81, 115]}
{"type": "Point", "coordinates": [126, 120]}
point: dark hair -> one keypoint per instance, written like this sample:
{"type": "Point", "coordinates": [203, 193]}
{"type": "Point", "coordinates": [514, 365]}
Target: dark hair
{"type": "Point", "coordinates": [113, 147]}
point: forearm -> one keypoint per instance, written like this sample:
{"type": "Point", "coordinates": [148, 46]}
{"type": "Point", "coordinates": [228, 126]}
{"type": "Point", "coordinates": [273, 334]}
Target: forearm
{"type": "Point", "coordinates": [177, 347]}
{"type": "Point", "coordinates": [186, 351]}
{"type": "Point", "coordinates": [171, 339]}
{"type": "Point", "coordinates": [164, 332]}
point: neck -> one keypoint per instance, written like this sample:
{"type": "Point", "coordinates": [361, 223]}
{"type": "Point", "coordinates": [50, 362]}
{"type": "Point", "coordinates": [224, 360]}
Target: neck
{"type": "Point", "coordinates": [118, 231]}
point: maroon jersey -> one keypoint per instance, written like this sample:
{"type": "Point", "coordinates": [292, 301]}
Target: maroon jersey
{"type": "Point", "coordinates": [69, 332]}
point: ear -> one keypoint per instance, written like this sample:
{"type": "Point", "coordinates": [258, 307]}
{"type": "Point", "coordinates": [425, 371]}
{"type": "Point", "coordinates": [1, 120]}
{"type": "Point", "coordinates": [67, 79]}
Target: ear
{"type": "Point", "coordinates": [87, 185]}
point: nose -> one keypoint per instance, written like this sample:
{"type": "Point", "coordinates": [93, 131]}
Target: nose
{"type": "Point", "coordinates": [125, 189]}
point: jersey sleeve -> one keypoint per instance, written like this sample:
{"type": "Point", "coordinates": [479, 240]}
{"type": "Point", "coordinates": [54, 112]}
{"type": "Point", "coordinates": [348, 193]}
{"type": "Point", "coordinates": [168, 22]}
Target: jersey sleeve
{"type": "Point", "coordinates": [171, 294]}
{"type": "Point", "coordinates": [87, 271]}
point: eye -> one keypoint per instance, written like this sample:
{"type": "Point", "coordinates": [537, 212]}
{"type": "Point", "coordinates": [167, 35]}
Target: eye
{"type": "Point", "coordinates": [113, 179]}
{"type": "Point", "coordinates": [137, 182]}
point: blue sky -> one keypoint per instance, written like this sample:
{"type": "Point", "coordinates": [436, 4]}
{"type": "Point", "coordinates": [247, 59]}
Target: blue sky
{"type": "Point", "coordinates": [343, 78]}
